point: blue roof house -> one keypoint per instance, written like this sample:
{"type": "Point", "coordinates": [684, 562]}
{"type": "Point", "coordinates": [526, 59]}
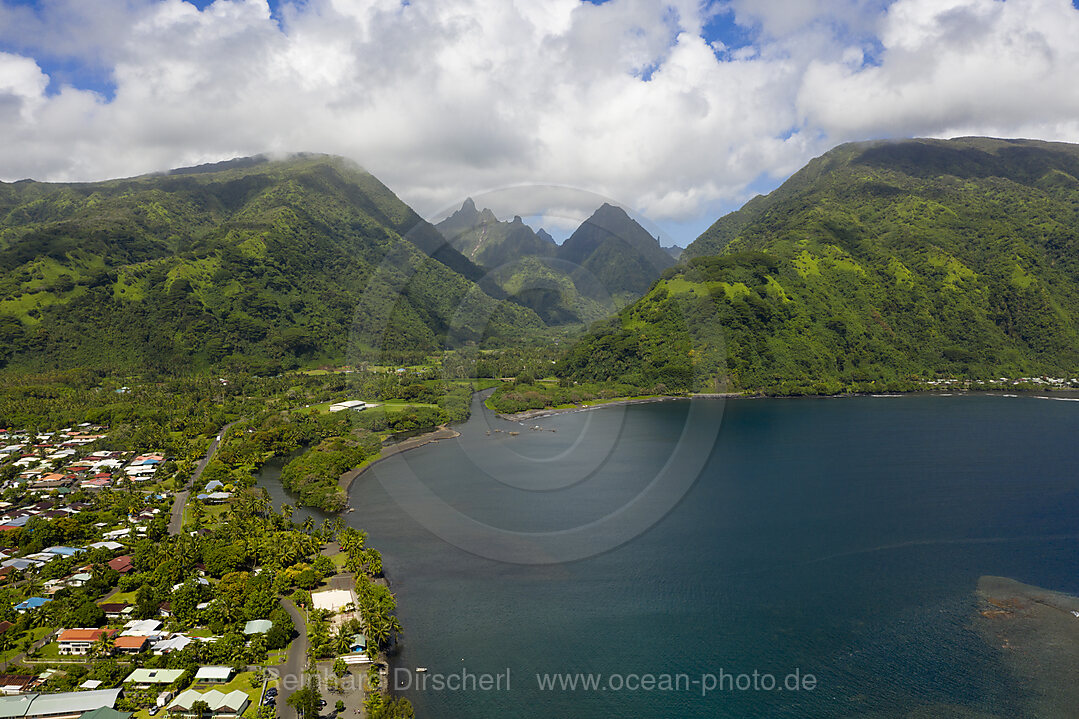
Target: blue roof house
{"type": "Point", "coordinates": [32, 603]}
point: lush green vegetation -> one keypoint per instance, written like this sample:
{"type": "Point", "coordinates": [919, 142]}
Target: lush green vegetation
{"type": "Point", "coordinates": [878, 266]}
{"type": "Point", "coordinates": [526, 394]}
{"type": "Point", "coordinates": [253, 266]}
{"type": "Point", "coordinates": [606, 264]}
{"type": "Point", "coordinates": [313, 476]}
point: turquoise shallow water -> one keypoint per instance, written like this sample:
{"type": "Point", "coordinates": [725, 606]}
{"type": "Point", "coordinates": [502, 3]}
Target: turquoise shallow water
{"type": "Point", "coordinates": [841, 538]}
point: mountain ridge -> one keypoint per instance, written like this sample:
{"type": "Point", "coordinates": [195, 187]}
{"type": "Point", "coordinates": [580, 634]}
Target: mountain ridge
{"type": "Point", "coordinates": [607, 261]}
{"type": "Point", "coordinates": [877, 264]}
{"type": "Point", "coordinates": [262, 262]}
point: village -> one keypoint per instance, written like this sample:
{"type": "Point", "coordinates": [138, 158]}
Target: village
{"type": "Point", "coordinates": [130, 590]}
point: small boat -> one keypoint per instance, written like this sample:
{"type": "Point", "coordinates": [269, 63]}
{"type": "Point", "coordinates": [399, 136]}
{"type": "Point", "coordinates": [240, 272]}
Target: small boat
{"type": "Point", "coordinates": [421, 670]}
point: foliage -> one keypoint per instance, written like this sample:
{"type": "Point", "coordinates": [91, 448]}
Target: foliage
{"type": "Point", "coordinates": [306, 700]}
{"type": "Point", "coordinates": [314, 475]}
{"type": "Point", "coordinates": [603, 266]}
{"type": "Point", "coordinates": [255, 266]}
{"type": "Point", "coordinates": [523, 396]}
{"type": "Point", "coordinates": [878, 266]}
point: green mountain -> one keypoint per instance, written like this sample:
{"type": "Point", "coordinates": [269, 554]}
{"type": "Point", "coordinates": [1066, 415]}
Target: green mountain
{"type": "Point", "coordinates": [617, 252]}
{"type": "Point", "coordinates": [479, 236]}
{"type": "Point", "coordinates": [608, 262]}
{"type": "Point", "coordinates": [880, 264]}
{"type": "Point", "coordinates": [256, 263]}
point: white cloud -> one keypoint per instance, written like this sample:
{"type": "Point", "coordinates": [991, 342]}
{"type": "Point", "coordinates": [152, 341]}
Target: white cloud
{"type": "Point", "coordinates": [22, 85]}
{"type": "Point", "coordinates": [446, 98]}
{"type": "Point", "coordinates": [953, 67]}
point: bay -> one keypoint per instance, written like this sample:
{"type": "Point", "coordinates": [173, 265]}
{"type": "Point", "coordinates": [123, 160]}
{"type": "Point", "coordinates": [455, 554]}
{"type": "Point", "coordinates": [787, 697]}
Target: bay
{"type": "Point", "coordinates": [837, 538]}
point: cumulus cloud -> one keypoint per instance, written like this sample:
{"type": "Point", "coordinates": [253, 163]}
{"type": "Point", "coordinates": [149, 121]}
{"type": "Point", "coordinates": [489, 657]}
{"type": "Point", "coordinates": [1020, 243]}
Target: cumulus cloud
{"type": "Point", "coordinates": [446, 98]}
{"type": "Point", "coordinates": [952, 67]}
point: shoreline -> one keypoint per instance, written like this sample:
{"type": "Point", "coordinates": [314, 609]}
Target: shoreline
{"type": "Point", "coordinates": [442, 432]}
{"type": "Point", "coordinates": [552, 411]}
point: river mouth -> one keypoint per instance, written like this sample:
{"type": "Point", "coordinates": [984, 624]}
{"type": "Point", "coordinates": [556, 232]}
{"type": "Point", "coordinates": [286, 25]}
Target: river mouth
{"type": "Point", "coordinates": [844, 539]}
{"type": "Point", "coordinates": [269, 478]}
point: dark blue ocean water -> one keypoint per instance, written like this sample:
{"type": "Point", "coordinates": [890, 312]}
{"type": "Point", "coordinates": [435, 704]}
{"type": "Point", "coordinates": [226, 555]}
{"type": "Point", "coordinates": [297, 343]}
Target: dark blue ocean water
{"type": "Point", "coordinates": [841, 538]}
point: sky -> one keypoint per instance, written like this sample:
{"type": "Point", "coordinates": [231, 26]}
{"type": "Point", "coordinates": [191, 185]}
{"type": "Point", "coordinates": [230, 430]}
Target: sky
{"type": "Point", "coordinates": [680, 111]}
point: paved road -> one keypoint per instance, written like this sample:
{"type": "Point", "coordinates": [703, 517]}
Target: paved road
{"type": "Point", "coordinates": [15, 660]}
{"type": "Point", "coordinates": [176, 521]}
{"type": "Point", "coordinates": [295, 663]}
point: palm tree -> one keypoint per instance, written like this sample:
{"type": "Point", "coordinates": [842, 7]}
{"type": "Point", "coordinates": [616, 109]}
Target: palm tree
{"type": "Point", "coordinates": [378, 629]}
{"type": "Point", "coordinates": [103, 645]}
{"type": "Point", "coordinates": [200, 709]}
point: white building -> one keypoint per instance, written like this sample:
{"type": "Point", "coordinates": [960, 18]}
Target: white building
{"type": "Point", "coordinates": [356, 405]}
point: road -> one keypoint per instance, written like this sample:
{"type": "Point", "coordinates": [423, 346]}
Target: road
{"type": "Point", "coordinates": [15, 660]}
{"type": "Point", "coordinates": [176, 520]}
{"type": "Point", "coordinates": [294, 664]}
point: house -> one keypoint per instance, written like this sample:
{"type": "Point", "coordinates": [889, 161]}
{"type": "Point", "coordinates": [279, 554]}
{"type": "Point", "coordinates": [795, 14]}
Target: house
{"type": "Point", "coordinates": [198, 580]}
{"type": "Point", "coordinates": [64, 551]}
{"type": "Point", "coordinates": [106, 713]}
{"type": "Point", "coordinates": [213, 675]}
{"type": "Point", "coordinates": [41, 558]}
{"type": "Point", "coordinates": [31, 603]}
{"type": "Point", "coordinates": [111, 546]}
{"type": "Point", "coordinates": [142, 628]}
{"type": "Point", "coordinates": [15, 683]}
{"type": "Point", "coordinates": [114, 610]}
{"type": "Point", "coordinates": [20, 564]}
{"type": "Point", "coordinates": [16, 706]}
{"type": "Point", "coordinates": [65, 705]}
{"type": "Point", "coordinates": [80, 641]}
{"type": "Point", "coordinates": [356, 405]}
{"type": "Point", "coordinates": [175, 643]}
{"type": "Point", "coordinates": [122, 564]}
{"type": "Point", "coordinates": [145, 678]}
{"type": "Point", "coordinates": [257, 626]}
{"type": "Point", "coordinates": [131, 644]}
{"type": "Point", "coordinates": [222, 706]}
{"type": "Point", "coordinates": [79, 580]}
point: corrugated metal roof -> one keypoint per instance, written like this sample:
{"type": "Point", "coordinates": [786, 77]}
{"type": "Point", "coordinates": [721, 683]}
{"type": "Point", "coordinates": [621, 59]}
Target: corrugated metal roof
{"type": "Point", "coordinates": [154, 676]}
{"type": "Point", "coordinates": [213, 673]}
{"type": "Point", "coordinates": [68, 702]}
{"type": "Point", "coordinates": [258, 626]}
{"type": "Point", "coordinates": [235, 700]}
{"type": "Point", "coordinates": [15, 706]}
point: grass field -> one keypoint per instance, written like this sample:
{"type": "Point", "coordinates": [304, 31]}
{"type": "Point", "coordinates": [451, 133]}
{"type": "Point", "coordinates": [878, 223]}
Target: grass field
{"type": "Point", "coordinates": [35, 634]}
{"type": "Point", "coordinates": [389, 406]}
{"type": "Point", "coordinates": [241, 681]}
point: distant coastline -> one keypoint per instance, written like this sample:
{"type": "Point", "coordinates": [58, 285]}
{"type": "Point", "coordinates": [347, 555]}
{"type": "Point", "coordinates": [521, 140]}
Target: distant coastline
{"type": "Point", "coordinates": [1061, 394]}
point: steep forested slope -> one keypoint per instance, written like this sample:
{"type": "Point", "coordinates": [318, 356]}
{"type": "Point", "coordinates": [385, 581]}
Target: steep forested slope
{"type": "Point", "coordinates": [252, 262]}
{"type": "Point", "coordinates": [882, 263]}
{"type": "Point", "coordinates": [607, 262]}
